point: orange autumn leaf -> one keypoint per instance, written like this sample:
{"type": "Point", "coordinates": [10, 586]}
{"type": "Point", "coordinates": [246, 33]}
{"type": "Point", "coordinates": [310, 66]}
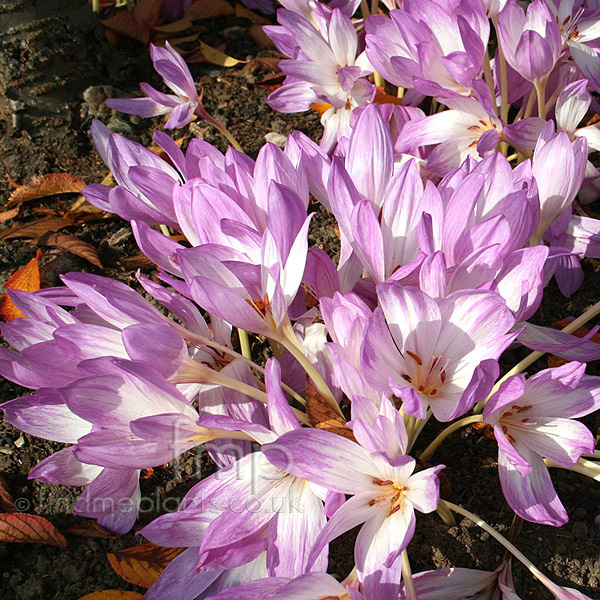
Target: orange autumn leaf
{"type": "Point", "coordinates": [382, 98]}
{"type": "Point", "coordinates": [92, 530]}
{"type": "Point", "coordinates": [46, 185]}
{"type": "Point", "coordinates": [321, 414]}
{"type": "Point", "coordinates": [20, 527]}
{"type": "Point", "coordinates": [143, 564]}
{"type": "Point", "coordinates": [7, 503]}
{"type": "Point", "coordinates": [27, 279]}
{"type": "Point", "coordinates": [112, 595]}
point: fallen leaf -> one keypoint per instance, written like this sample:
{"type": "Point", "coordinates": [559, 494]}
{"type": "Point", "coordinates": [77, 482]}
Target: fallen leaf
{"type": "Point", "coordinates": [112, 595]}
{"type": "Point", "coordinates": [137, 24]}
{"type": "Point", "coordinates": [142, 565]}
{"type": "Point", "coordinates": [139, 261]}
{"type": "Point", "coordinates": [92, 530]}
{"type": "Point", "coordinates": [20, 527]}
{"type": "Point", "coordinates": [174, 27]}
{"type": "Point", "coordinates": [7, 503]}
{"type": "Point", "coordinates": [9, 214]}
{"type": "Point", "coordinates": [46, 185]}
{"type": "Point", "coordinates": [382, 98]}
{"type": "Point", "coordinates": [207, 9]}
{"type": "Point", "coordinates": [27, 279]}
{"type": "Point", "coordinates": [246, 13]}
{"type": "Point", "coordinates": [37, 228]}
{"type": "Point", "coordinates": [71, 244]}
{"type": "Point", "coordinates": [322, 416]}
{"type": "Point", "coordinates": [216, 57]}
{"type": "Point", "coordinates": [486, 429]}
{"type": "Point", "coordinates": [260, 37]}
{"type": "Point", "coordinates": [555, 361]}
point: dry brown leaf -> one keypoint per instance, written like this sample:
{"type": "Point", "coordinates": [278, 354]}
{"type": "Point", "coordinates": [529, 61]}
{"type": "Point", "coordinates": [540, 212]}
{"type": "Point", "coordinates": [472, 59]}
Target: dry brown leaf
{"type": "Point", "coordinates": [27, 279]}
{"type": "Point", "coordinates": [112, 595]}
{"type": "Point", "coordinates": [174, 27]}
{"type": "Point", "coordinates": [207, 9]}
{"type": "Point", "coordinates": [142, 565]}
{"type": "Point", "coordinates": [46, 185]}
{"type": "Point", "coordinates": [37, 228]}
{"type": "Point", "coordinates": [9, 214]}
{"type": "Point", "coordinates": [322, 416]}
{"type": "Point", "coordinates": [260, 37]}
{"type": "Point", "coordinates": [71, 244]}
{"type": "Point", "coordinates": [7, 504]}
{"type": "Point", "coordinates": [139, 261]}
{"type": "Point", "coordinates": [92, 530]}
{"type": "Point", "coordinates": [216, 57]}
{"type": "Point", "coordinates": [242, 11]}
{"type": "Point", "coordinates": [20, 527]}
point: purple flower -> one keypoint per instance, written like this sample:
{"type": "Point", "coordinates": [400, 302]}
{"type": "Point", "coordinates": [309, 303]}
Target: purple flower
{"type": "Point", "coordinates": [438, 356]}
{"type": "Point", "coordinates": [175, 73]}
{"type": "Point", "coordinates": [531, 41]}
{"type": "Point", "coordinates": [534, 419]}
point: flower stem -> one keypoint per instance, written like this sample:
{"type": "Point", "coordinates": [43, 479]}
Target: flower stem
{"type": "Point", "coordinates": [290, 342]}
{"type": "Point", "coordinates": [96, 5]}
{"type": "Point", "coordinates": [428, 452]}
{"type": "Point", "coordinates": [510, 547]}
{"type": "Point", "coordinates": [244, 343]}
{"type": "Point", "coordinates": [590, 313]}
{"type": "Point", "coordinates": [583, 467]}
{"type": "Point", "coordinates": [540, 88]}
{"type": "Point", "coordinates": [530, 103]}
{"type": "Point", "coordinates": [489, 78]}
{"type": "Point", "coordinates": [409, 584]}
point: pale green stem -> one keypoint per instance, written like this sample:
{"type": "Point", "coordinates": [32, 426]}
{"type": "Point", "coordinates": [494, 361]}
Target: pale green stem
{"type": "Point", "coordinates": [225, 133]}
{"type": "Point", "coordinates": [290, 342]}
{"type": "Point", "coordinates": [584, 467]}
{"type": "Point", "coordinates": [428, 452]}
{"type": "Point", "coordinates": [409, 584]}
{"type": "Point", "coordinates": [595, 454]}
{"type": "Point", "coordinates": [540, 88]}
{"type": "Point", "coordinates": [225, 350]}
{"type": "Point", "coordinates": [417, 430]}
{"type": "Point", "coordinates": [445, 514]}
{"type": "Point", "coordinates": [502, 540]}
{"type": "Point", "coordinates": [96, 5]}
{"type": "Point", "coordinates": [512, 157]}
{"type": "Point", "coordinates": [590, 313]}
{"type": "Point", "coordinates": [193, 372]}
{"type": "Point", "coordinates": [489, 78]}
{"type": "Point", "coordinates": [379, 80]}
{"type": "Point", "coordinates": [530, 103]}
{"type": "Point", "coordinates": [165, 230]}
{"type": "Point", "coordinates": [245, 343]}
{"type": "Point", "coordinates": [364, 8]}
{"type": "Point", "coordinates": [434, 106]}
{"type": "Point", "coordinates": [504, 105]}
{"type": "Point", "coordinates": [400, 92]}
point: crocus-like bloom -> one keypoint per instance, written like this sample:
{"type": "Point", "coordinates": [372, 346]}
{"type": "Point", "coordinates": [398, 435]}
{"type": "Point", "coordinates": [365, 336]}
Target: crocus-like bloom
{"type": "Point", "coordinates": [566, 160]}
{"type": "Point", "coordinates": [324, 69]}
{"type": "Point", "coordinates": [386, 493]}
{"type": "Point", "coordinates": [435, 47]}
{"type": "Point", "coordinates": [443, 356]}
{"type": "Point", "coordinates": [531, 41]}
{"type": "Point", "coordinates": [534, 419]}
{"type": "Point", "coordinates": [175, 73]}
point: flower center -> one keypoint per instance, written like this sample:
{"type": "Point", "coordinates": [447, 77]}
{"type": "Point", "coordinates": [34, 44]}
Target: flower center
{"type": "Point", "coordinates": [426, 381]}
{"type": "Point", "coordinates": [391, 494]}
{"type": "Point", "coordinates": [515, 418]}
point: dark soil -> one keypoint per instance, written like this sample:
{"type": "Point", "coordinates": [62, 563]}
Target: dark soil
{"type": "Point", "coordinates": [56, 67]}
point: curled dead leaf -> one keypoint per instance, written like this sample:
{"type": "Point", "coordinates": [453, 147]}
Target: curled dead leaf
{"type": "Point", "coordinates": [27, 279]}
{"type": "Point", "coordinates": [7, 504]}
{"type": "Point", "coordinates": [34, 229]}
{"type": "Point", "coordinates": [322, 416]}
{"type": "Point", "coordinates": [21, 527]}
{"type": "Point", "coordinates": [92, 530]}
{"type": "Point", "coordinates": [71, 244]}
{"type": "Point", "coordinates": [112, 595]}
{"type": "Point", "coordinates": [46, 185]}
{"type": "Point", "coordinates": [211, 55]}
{"type": "Point", "coordinates": [143, 564]}
{"type": "Point", "coordinates": [208, 9]}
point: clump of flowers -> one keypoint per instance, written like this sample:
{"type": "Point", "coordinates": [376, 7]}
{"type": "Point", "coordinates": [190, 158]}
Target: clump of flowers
{"type": "Point", "coordinates": [451, 222]}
